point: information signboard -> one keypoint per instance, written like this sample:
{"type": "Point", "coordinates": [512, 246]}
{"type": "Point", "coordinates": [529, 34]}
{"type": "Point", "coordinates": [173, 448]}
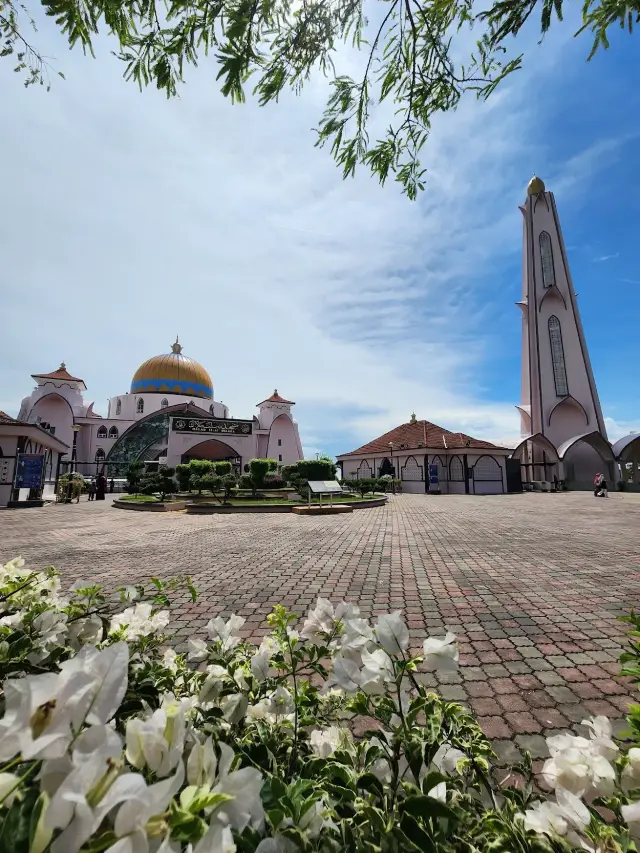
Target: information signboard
{"type": "Point", "coordinates": [324, 487]}
{"type": "Point", "coordinates": [29, 471]}
{"type": "Point", "coordinates": [211, 427]}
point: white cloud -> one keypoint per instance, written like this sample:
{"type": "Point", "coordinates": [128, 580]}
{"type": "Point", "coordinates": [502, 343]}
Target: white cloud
{"type": "Point", "coordinates": [133, 218]}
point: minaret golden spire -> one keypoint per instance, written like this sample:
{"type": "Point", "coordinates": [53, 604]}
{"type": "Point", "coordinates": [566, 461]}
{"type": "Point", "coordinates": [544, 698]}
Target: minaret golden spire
{"type": "Point", "coordinates": [176, 348]}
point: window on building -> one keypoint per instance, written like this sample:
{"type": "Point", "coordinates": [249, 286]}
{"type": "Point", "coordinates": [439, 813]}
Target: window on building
{"type": "Point", "coordinates": [279, 442]}
{"type": "Point", "coordinates": [546, 257]}
{"type": "Point", "coordinates": [279, 457]}
{"type": "Point", "coordinates": [118, 407]}
{"type": "Point", "coordinates": [411, 470]}
{"type": "Point", "coordinates": [140, 406]}
{"type": "Point", "coordinates": [113, 432]}
{"type": "Point", "coordinates": [456, 469]}
{"type": "Point", "coordinates": [487, 469]}
{"type": "Point", "coordinates": [211, 410]}
{"type": "Point", "coordinates": [164, 403]}
{"type": "Point", "coordinates": [99, 454]}
{"type": "Point", "coordinates": [557, 357]}
{"type": "Point", "coordinates": [102, 432]}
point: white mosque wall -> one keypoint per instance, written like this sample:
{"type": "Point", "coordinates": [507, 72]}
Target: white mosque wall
{"type": "Point", "coordinates": [130, 405]}
{"type": "Point", "coordinates": [58, 406]}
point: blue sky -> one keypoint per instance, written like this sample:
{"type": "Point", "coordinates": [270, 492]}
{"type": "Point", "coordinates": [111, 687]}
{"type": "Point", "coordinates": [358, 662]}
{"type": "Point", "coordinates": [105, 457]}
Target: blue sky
{"type": "Point", "coordinates": [127, 218]}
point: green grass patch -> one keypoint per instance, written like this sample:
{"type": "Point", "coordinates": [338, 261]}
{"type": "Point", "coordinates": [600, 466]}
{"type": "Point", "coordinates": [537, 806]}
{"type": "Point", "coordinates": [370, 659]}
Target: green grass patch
{"type": "Point", "coordinates": [139, 499]}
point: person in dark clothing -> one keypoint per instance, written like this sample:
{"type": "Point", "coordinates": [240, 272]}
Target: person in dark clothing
{"type": "Point", "coordinates": [92, 489]}
{"type": "Point", "coordinates": [101, 487]}
{"type": "Point", "coordinates": [111, 486]}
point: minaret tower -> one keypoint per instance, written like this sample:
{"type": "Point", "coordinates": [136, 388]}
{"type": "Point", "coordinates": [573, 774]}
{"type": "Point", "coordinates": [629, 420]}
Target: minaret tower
{"type": "Point", "coordinates": [559, 398]}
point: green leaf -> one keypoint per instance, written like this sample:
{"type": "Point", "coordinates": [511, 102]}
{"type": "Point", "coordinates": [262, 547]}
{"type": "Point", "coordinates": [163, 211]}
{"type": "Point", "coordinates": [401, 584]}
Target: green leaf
{"type": "Point", "coordinates": [423, 806]}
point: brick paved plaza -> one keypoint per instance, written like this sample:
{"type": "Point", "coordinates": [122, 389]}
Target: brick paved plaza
{"type": "Point", "coordinates": [531, 584]}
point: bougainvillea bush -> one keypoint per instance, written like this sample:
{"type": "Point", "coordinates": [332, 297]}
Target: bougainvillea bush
{"type": "Point", "coordinates": [321, 738]}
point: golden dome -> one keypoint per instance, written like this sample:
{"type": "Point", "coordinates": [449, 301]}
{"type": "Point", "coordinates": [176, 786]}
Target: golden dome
{"type": "Point", "coordinates": [172, 373]}
{"type": "Point", "coordinates": [535, 186]}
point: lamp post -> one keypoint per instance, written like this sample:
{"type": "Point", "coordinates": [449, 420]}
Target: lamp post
{"type": "Point", "coordinates": [76, 429]}
{"type": "Point", "coordinates": [393, 470]}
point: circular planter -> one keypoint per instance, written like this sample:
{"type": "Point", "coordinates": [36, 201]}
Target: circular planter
{"type": "Point", "coordinates": [201, 508]}
{"type": "Point", "coordinates": [144, 506]}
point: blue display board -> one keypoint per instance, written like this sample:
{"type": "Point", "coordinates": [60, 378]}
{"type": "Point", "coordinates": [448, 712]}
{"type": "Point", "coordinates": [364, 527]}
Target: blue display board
{"type": "Point", "coordinates": [29, 471]}
{"type": "Point", "coordinates": [433, 475]}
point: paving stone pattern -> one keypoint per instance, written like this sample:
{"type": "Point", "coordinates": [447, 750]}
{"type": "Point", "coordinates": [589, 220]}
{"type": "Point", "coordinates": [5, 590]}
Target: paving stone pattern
{"type": "Point", "coordinates": [530, 584]}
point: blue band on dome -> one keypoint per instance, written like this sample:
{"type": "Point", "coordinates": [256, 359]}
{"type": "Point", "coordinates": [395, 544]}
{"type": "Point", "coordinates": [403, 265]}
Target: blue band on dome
{"type": "Point", "coordinates": [171, 386]}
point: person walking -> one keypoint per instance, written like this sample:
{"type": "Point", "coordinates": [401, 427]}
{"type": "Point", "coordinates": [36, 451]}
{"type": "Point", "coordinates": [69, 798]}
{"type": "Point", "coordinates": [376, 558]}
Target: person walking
{"type": "Point", "coordinates": [601, 489]}
{"type": "Point", "coordinates": [101, 487]}
{"type": "Point", "coordinates": [92, 489]}
{"type": "Point", "coordinates": [112, 485]}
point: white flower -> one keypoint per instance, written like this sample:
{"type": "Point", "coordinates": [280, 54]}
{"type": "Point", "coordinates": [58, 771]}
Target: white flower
{"type": "Point", "coordinates": [567, 817]}
{"type": "Point", "coordinates": [345, 675]}
{"type": "Point", "coordinates": [169, 659]}
{"type": "Point", "coordinates": [358, 634]}
{"type": "Point", "coordinates": [158, 741]}
{"type": "Point", "coordinates": [277, 844]}
{"type": "Point", "coordinates": [87, 630]}
{"type": "Point", "coordinates": [129, 593]}
{"type": "Point", "coordinates": [202, 762]}
{"type": "Point", "coordinates": [197, 649]}
{"type": "Point", "coordinates": [225, 633]}
{"type": "Point", "coordinates": [9, 783]}
{"type": "Point", "coordinates": [43, 711]}
{"type": "Point", "coordinates": [320, 622]}
{"type": "Point", "coordinates": [324, 742]}
{"type": "Point", "coordinates": [631, 816]}
{"type": "Point", "coordinates": [441, 654]}
{"type": "Point", "coordinates": [52, 628]}
{"type": "Point", "coordinates": [281, 703]}
{"type": "Point", "coordinates": [377, 671]}
{"type": "Point", "coordinates": [260, 666]}
{"type": "Point", "coordinates": [631, 772]}
{"type": "Point", "coordinates": [446, 759]}
{"type": "Point", "coordinates": [142, 803]}
{"type": "Point", "coordinates": [577, 765]}
{"type": "Point", "coordinates": [312, 821]}
{"type": "Point", "coordinates": [15, 620]}
{"type": "Point", "coordinates": [601, 737]}
{"type": "Point", "coordinates": [139, 621]}
{"type": "Point", "coordinates": [234, 707]}
{"type": "Point", "coordinates": [439, 792]}
{"type": "Point", "coordinates": [217, 839]}
{"type": "Point", "coordinates": [392, 633]}
{"type": "Point", "coordinates": [213, 683]}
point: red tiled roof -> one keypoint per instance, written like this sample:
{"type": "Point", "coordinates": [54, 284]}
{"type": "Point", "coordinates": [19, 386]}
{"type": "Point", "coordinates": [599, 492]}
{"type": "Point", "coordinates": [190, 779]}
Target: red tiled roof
{"type": "Point", "coordinates": [7, 419]}
{"type": "Point", "coordinates": [276, 398]}
{"type": "Point", "coordinates": [420, 433]}
{"type": "Point", "coordinates": [60, 373]}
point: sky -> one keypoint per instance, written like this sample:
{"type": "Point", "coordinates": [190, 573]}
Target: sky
{"type": "Point", "coordinates": [127, 218]}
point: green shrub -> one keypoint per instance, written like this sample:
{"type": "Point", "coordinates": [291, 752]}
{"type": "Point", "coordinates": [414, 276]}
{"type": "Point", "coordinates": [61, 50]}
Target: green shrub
{"type": "Point", "coordinates": [183, 476]}
{"type": "Point", "coordinates": [160, 481]}
{"type": "Point", "coordinates": [223, 468]}
{"type": "Point", "coordinates": [134, 474]}
{"type": "Point", "coordinates": [258, 471]}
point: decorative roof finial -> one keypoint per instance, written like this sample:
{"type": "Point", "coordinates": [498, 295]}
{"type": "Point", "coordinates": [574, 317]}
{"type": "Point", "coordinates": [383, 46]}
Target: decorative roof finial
{"type": "Point", "coordinates": [535, 186]}
{"type": "Point", "coordinates": [176, 348]}
{"type": "Point", "coordinates": [413, 418]}
{"type": "Point", "coordinates": [63, 366]}
{"type": "Point", "coordinates": [275, 391]}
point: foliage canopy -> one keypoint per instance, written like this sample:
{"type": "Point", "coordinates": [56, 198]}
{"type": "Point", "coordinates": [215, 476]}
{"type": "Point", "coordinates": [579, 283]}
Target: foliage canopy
{"type": "Point", "coordinates": [410, 61]}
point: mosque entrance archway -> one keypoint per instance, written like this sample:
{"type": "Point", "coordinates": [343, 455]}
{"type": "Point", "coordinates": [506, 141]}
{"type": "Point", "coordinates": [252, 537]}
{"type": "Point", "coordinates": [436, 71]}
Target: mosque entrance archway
{"type": "Point", "coordinates": [213, 450]}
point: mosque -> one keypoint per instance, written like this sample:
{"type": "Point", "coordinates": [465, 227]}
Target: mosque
{"type": "Point", "coordinates": [169, 414]}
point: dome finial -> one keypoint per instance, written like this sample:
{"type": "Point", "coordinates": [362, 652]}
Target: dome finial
{"type": "Point", "coordinates": [176, 348]}
{"type": "Point", "coordinates": [535, 186]}
{"type": "Point", "coordinates": [63, 366]}
{"type": "Point", "coordinates": [413, 420]}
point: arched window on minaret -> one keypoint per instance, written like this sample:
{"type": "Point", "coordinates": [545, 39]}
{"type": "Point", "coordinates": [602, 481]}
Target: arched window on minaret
{"type": "Point", "coordinates": [546, 257]}
{"type": "Point", "coordinates": [140, 406]}
{"type": "Point", "coordinates": [118, 407]}
{"type": "Point", "coordinates": [557, 357]}
{"type": "Point", "coordinates": [164, 403]}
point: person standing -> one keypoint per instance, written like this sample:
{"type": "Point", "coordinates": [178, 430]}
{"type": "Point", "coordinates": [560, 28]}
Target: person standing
{"type": "Point", "coordinates": [112, 485]}
{"type": "Point", "coordinates": [92, 489]}
{"type": "Point", "coordinates": [101, 487]}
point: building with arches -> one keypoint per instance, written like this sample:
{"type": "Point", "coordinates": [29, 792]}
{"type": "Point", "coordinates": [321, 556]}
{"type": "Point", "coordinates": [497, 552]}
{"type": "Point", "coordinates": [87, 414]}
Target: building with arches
{"type": "Point", "coordinates": [562, 427]}
{"type": "Point", "coordinates": [169, 415]}
{"type": "Point", "coordinates": [430, 458]}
